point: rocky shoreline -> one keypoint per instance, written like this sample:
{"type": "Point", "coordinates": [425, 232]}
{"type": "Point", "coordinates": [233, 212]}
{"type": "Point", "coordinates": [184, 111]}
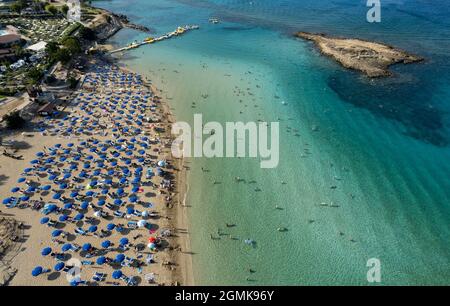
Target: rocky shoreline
{"type": "Point", "coordinates": [126, 23]}
{"type": "Point", "coordinates": [370, 58]}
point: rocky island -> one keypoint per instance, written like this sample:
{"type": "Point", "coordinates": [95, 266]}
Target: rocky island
{"type": "Point", "coordinates": [371, 58]}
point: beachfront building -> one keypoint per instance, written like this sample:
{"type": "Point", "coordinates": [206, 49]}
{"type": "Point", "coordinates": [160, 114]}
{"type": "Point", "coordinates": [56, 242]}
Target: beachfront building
{"type": "Point", "coordinates": [7, 40]}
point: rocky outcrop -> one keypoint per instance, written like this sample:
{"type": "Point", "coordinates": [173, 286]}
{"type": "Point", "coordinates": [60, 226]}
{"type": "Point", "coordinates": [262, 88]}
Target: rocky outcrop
{"type": "Point", "coordinates": [371, 58]}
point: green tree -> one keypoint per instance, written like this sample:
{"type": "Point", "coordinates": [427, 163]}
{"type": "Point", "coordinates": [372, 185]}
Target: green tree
{"type": "Point", "coordinates": [73, 82]}
{"type": "Point", "coordinates": [15, 7]}
{"type": "Point", "coordinates": [34, 75]}
{"type": "Point", "coordinates": [14, 121]}
{"type": "Point", "coordinates": [72, 44]}
{"type": "Point", "coordinates": [64, 9]}
{"type": "Point", "coordinates": [63, 55]}
{"type": "Point", "coordinates": [87, 33]}
{"type": "Point", "coordinates": [51, 9]}
{"type": "Point", "coordinates": [51, 48]}
{"type": "Point", "coordinates": [18, 50]}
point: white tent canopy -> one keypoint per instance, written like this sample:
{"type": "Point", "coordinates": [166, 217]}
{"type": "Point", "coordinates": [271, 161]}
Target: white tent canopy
{"type": "Point", "coordinates": [38, 46]}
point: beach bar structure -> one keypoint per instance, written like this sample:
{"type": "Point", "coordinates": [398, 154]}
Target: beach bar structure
{"type": "Point", "coordinates": [46, 110]}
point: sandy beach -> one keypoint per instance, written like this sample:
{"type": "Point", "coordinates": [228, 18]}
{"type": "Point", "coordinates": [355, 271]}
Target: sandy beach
{"type": "Point", "coordinates": [73, 218]}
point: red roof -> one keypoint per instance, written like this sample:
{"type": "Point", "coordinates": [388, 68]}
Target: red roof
{"type": "Point", "coordinates": [9, 38]}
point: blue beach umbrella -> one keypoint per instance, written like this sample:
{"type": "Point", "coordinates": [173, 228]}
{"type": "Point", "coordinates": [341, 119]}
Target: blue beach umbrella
{"type": "Point", "coordinates": [86, 247]}
{"type": "Point", "coordinates": [46, 251]}
{"type": "Point", "coordinates": [92, 229]}
{"type": "Point", "coordinates": [59, 266]}
{"type": "Point", "coordinates": [101, 260]}
{"type": "Point", "coordinates": [21, 180]}
{"type": "Point", "coordinates": [123, 241]}
{"type": "Point", "coordinates": [56, 233]}
{"type": "Point", "coordinates": [56, 196]}
{"type": "Point", "coordinates": [117, 274]}
{"type": "Point", "coordinates": [46, 187]}
{"type": "Point", "coordinates": [15, 189]}
{"type": "Point", "coordinates": [63, 218]}
{"type": "Point", "coordinates": [101, 203]}
{"type": "Point", "coordinates": [106, 244]}
{"type": "Point", "coordinates": [37, 271]}
{"type": "Point", "coordinates": [31, 189]}
{"type": "Point", "coordinates": [66, 247]}
{"type": "Point", "coordinates": [120, 258]}
{"type": "Point", "coordinates": [118, 202]}
{"type": "Point", "coordinates": [79, 217]}
{"type": "Point", "coordinates": [44, 220]}
{"type": "Point", "coordinates": [85, 205]}
{"type": "Point", "coordinates": [110, 226]}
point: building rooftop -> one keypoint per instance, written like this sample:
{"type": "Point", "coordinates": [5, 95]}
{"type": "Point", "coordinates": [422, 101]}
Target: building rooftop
{"type": "Point", "coordinates": [9, 38]}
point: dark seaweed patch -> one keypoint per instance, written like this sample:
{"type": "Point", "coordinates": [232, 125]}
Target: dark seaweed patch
{"type": "Point", "coordinates": [404, 102]}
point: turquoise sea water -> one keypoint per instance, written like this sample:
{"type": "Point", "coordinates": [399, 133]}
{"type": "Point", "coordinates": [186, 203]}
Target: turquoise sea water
{"type": "Point", "coordinates": [382, 145]}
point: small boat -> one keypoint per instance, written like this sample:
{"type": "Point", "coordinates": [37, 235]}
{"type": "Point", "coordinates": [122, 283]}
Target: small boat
{"type": "Point", "coordinates": [214, 20]}
{"type": "Point", "coordinates": [249, 241]}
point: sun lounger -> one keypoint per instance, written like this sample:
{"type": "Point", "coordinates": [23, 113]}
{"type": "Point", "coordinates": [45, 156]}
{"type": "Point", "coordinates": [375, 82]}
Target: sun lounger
{"type": "Point", "coordinates": [132, 225]}
{"type": "Point", "coordinates": [52, 223]}
{"type": "Point", "coordinates": [150, 278]}
{"type": "Point", "coordinates": [119, 214]}
{"type": "Point", "coordinates": [75, 247]}
{"type": "Point", "coordinates": [80, 231]}
{"type": "Point", "coordinates": [87, 263]}
{"type": "Point", "coordinates": [98, 277]}
{"type": "Point", "coordinates": [149, 259]}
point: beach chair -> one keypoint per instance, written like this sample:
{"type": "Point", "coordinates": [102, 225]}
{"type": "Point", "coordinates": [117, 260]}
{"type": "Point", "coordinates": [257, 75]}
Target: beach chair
{"type": "Point", "coordinates": [150, 278]}
{"type": "Point", "coordinates": [13, 203]}
{"type": "Point", "coordinates": [98, 277]}
{"type": "Point", "coordinates": [52, 223]}
{"type": "Point", "coordinates": [75, 247]}
{"type": "Point", "coordinates": [119, 214]}
{"type": "Point", "coordinates": [87, 263]}
{"type": "Point", "coordinates": [80, 231]}
{"type": "Point", "coordinates": [60, 257]}
{"type": "Point", "coordinates": [132, 225]}
{"type": "Point", "coordinates": [150, 259]}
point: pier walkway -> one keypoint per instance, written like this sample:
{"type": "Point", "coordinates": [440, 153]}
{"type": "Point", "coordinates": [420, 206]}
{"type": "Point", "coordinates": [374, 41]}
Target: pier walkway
{"type": "Point", "coordinates": [179, 31]}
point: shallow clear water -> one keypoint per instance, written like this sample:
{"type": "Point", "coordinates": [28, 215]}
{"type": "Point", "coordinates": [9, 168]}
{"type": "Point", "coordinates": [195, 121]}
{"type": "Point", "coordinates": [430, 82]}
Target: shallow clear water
{"type": "Point", "coordinates": [383, 144]}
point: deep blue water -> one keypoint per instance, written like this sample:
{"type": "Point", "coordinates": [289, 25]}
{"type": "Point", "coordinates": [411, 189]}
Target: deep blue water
{"type": "Point", "coordinates": [385, 144]}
